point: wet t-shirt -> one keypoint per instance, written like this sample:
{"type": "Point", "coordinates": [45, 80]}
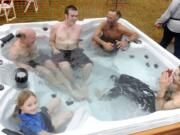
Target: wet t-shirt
{"type": "Point", "coordinates": [31, 124]}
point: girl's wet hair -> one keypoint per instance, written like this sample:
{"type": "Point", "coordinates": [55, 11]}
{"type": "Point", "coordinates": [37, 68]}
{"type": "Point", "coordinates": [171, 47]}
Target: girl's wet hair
{"type": "Point", "coordinates": [22, 97]}
{"type": "Point", "coordinates": [20, 35]}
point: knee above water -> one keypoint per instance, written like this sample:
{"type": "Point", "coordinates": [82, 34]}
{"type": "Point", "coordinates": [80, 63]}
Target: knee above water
{"type": "Point", "coordinates": [64, 65]}
{"type": "Point", "coordinates": [88, 65]}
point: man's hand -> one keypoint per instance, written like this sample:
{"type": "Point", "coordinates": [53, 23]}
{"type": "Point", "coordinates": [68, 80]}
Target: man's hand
{"type": "Point", "coordinates": [158, 25]}
{"type": "Point", "coordinates": [108, 46]}
{"type": "Point", "coordinates": [121, 44]}
{"type": "Point", "coordinates": [165, 80]}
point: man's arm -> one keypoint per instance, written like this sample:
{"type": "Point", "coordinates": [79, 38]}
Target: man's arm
{"type": "Point", "coordinates": [52, 39]}
{"type": "Point", "coordinates": [79, 40]}
{"type": "Point", "coordinates": [97, 33]}
{"type": "Point", "coordinates": [160, 98]}
{"type": "Point", "coordinates": [167, 14]}
{"type": "Point", "coordinates": [129, 33]}
{"type": "Point", "coordinates": [96, 38]}
{"type": "Point", "coordinates": [172, 104]}
{"type": "Point", "coordinates": [13, 56]}
{"type": "Point", "coordinates": [165, 82]}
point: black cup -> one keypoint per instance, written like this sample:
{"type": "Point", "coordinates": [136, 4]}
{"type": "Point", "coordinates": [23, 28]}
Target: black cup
{"type": "Point", "coordinates": [21, 78]}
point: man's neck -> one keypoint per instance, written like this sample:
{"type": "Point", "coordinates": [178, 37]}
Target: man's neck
{"type": "Point", "coordinates": [112, 25]}
{"type": "Point", "coordinates": [68, 24]}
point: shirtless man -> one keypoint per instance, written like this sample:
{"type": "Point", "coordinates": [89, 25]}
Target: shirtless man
{"type": "Point", "coordinates": [64, 39]}
{"type": "Point", "coordinates": [25, 54]}
{"type": "Point", "coordinates": [168, 97]}
{"type": "Point", "coordinates": [108, 34]}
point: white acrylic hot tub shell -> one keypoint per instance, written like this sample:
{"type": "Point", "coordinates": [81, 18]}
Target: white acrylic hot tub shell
{"type": "Point", "coordinates": [83, 123]}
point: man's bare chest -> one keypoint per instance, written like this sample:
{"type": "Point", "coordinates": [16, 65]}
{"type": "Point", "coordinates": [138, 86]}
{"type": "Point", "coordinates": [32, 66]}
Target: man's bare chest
{"type": "Point", "coordinates": [66, 34]}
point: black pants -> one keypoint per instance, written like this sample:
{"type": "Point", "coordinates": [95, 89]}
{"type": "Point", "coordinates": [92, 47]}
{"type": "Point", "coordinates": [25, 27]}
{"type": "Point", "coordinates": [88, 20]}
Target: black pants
{"type": "Point", "coordinates": [47, 119]}
{"type": "Point", "coordinates": [167, 37]}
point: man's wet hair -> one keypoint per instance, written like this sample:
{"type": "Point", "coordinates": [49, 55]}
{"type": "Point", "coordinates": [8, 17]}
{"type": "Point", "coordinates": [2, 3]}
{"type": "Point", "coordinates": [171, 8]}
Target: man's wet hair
{"type": "Point", "coordinates": [117, 12]}
{"type": "Point", "coordinates": [70, 7]}
{"type": "Point", "coordinates": [20, 35]}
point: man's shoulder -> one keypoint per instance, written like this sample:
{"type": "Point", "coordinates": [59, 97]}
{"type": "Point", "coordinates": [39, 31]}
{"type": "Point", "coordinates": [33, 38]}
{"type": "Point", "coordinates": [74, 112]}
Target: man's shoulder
{"type": "Point", "coordinates": [56, 25]}
{"type": "Point", "coordinates": [120, 26]}
{"type": "Point", "coordinates": [14, 46]}
{"type": "Point", "coordinates": [103, 23]}
{"type": "Point", "coordinates": [78, 26]}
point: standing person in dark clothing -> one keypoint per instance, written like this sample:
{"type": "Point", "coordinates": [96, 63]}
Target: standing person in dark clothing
{"type": "Point", "coordinates": [171, 22]}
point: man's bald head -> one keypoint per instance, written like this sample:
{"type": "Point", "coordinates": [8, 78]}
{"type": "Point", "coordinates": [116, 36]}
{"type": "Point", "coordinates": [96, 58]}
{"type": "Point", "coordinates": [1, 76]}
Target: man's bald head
{"type": "Point", "coordinates": [26, 35]}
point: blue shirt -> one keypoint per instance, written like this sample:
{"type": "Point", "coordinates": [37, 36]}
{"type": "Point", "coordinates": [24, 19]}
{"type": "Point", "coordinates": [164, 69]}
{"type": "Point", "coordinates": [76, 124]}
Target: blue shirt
{"type": "Point", "coordinates": [31, 124]}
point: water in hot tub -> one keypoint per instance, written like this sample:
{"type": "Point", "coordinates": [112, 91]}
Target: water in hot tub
{"type": "Point", "coordinates": [137, 62]}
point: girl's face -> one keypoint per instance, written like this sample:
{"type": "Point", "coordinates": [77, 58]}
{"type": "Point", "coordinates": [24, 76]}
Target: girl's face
{"type": "Point", "coordinates": [29, 106]}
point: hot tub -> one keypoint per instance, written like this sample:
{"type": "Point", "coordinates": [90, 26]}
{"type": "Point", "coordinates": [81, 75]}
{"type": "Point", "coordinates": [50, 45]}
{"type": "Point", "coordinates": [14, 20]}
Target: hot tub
{"type": "Point", "coordinates": [144, 61]}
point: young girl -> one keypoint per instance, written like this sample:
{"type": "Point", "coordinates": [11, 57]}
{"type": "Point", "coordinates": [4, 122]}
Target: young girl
{"type": "Point", "coordinates": [32, 122]}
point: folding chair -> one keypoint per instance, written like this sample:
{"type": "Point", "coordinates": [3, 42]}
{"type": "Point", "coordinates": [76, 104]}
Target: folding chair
{"type": "Point", "coordinates": [29, 3]}
{"type": "Point", "coordinates": [5, 9]}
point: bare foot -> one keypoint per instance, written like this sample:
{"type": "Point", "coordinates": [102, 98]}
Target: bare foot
{"type": "Point", "coordinates": [100, 93]}
{"type": "Point", "coordinates": [68, 115]}
{"type": "Point", "coordinates": [85, 92]}
{"type": "Point", "coordinates": [53, 104]}
{"type": "Point", "coordinates": [77, 96]}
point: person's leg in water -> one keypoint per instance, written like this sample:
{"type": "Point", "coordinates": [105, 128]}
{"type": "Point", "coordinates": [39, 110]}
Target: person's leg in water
{"type": "Point", "coordinates": [81, 60]}
{"type": "Point", "coordinates": [62, 80]}
{"type": "Point", "coordinates": [57, 79]}
{"type": "Point", "coordinates": [47, 74]}
{"type": "Point", "coordinates": [177, 45]}
{"type": "Point", "coordinates": [60, 118]}
{"type": "Point", "coordinates": [64, 62]}
{"type": "Point", "coordinates": [86, 70]}
{"type": "Point", "coordinates": [67, 70]}
{"type": "Point", "coordinates": [167, 37]}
